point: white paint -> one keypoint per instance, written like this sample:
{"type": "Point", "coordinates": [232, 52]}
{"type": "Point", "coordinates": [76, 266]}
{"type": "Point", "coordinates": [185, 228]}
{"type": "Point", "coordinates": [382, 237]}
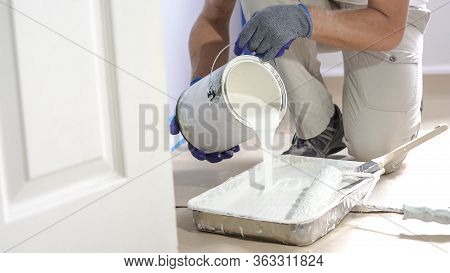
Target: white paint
{"type": "Point", "coordinates": [304, 189]}
{"type": "Point", "coordinates": [248, 199]}
{"type": "Point", "coordinates": [264, 120]}
{"type": "Point", "coordinates": [322, 192]}
{"type": "Point", "coordinates": [206, 115]}
{"type": "Point", "coordinates": [256, 97]}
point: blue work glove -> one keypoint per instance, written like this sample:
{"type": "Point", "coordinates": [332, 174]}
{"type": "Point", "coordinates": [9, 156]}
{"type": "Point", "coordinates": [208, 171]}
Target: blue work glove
{"type": "Point", "coordinates": [271, 31]}
{"type": "Point", "coordinates": [198, 154]}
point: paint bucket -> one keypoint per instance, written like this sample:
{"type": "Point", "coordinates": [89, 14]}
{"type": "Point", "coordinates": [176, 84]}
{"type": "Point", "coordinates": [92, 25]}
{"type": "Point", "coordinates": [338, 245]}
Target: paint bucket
{"type": "Point", "coordinates": [206, 117]}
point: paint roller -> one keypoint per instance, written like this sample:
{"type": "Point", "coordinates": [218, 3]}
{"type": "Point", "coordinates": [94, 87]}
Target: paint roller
{"type": "Point", "coordinates": [326, 186]}
{"type": "Point", "coordinates": [424, 214]}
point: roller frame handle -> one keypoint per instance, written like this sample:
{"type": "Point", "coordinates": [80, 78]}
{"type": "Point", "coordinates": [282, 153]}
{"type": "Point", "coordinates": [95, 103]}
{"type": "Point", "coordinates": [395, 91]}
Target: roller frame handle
{"type": "Point", "coordinates": [385, 159]}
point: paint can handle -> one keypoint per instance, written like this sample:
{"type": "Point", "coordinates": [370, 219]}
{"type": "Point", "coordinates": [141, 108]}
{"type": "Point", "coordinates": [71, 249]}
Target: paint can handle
{"type": "Point", "coordinates": [218, 56]}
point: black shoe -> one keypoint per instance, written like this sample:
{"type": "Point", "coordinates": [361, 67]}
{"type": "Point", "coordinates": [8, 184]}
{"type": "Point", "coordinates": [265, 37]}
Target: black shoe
{"type": "Point", "coordinates": [327, 143]}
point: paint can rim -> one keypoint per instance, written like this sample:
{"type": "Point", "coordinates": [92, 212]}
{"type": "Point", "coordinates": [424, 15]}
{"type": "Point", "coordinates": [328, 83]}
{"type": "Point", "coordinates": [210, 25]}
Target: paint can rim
{"type": "Point", "coordinates": [273, 73]}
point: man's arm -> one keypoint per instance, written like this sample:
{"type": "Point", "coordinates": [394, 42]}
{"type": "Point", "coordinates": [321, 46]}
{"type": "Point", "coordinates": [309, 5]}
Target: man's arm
{"type": "Point", "coordinates": [380, 26]}
{"type": "Point", "coordinates": [209, 35]}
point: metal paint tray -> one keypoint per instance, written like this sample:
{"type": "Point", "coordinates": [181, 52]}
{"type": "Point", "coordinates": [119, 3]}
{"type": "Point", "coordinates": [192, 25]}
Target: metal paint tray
{"type": "Point", "coordinates": [298, 231]}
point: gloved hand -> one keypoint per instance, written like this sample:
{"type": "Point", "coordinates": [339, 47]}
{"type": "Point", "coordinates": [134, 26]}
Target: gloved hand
{"type": "Point", "coordinates": [198, 154]}
{"type": "Point", "coordinates": [271, 31]}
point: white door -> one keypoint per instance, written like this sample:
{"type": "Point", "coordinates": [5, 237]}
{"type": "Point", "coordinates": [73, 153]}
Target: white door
{"type": "Point", "coordinates": [73, 75]}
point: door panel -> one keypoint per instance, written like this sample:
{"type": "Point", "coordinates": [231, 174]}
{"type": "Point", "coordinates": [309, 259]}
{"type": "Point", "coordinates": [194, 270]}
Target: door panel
{"type": "Point", "coordinates": [57, 134]}
{"type": "Point", "coordinates": [69, 126]}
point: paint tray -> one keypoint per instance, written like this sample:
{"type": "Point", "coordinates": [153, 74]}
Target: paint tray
{"type": "Point", "coordinates": [286, 214]}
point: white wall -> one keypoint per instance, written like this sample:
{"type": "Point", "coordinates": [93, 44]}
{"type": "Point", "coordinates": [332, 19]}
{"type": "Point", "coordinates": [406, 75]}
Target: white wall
{"type": "Point", "coordinates": [178, 20]}
{"type": "Point", "coordinates": [437, 39]}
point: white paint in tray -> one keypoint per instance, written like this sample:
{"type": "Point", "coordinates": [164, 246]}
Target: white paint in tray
{"type": "Point", "coordinates": [303, 188]}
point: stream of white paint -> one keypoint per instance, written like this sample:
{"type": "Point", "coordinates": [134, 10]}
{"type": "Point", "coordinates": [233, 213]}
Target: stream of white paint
{"type": "Point", "coordinates": [256, 97]}
{"type": "Point", "coordinates": [264, 120]}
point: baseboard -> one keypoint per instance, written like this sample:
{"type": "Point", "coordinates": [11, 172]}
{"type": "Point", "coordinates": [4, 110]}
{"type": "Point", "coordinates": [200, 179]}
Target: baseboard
{"type": "Point", "coordinates": [436, 70]}
{"type": "Point", "coordinates": [427, 70]}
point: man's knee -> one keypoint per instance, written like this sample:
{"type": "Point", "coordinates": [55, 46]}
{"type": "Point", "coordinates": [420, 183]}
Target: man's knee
{"type": "Point", "coordinates": [366, 146]}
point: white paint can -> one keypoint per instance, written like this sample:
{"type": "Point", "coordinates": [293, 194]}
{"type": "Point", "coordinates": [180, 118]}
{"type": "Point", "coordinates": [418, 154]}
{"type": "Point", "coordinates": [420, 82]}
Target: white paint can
{"type": "Point", "coordinates": [206, 117]}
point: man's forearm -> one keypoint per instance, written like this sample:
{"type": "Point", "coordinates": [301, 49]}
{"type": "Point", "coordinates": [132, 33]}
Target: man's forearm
{"type": "Point", "coordinates": [369, 28]}
{"type": "Point", "coordinates": [205, 43]}
{"type": "Point", "coordinates": [209, 35]}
